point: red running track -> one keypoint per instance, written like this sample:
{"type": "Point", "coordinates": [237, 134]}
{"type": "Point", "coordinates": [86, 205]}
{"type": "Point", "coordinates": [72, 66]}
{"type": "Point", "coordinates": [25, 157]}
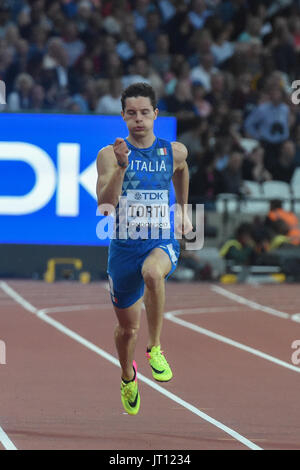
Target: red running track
{"type": "Point", "coordinates": [231, 361]}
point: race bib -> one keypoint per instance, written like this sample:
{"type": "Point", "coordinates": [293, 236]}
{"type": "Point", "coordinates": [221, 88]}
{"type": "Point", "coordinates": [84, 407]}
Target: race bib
{"type": "Point", "coordinates": [146, 208]}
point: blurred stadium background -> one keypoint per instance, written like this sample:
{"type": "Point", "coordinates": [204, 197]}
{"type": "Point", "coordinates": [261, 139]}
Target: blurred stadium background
{"type": "Point", "coordinates": [225, 74]}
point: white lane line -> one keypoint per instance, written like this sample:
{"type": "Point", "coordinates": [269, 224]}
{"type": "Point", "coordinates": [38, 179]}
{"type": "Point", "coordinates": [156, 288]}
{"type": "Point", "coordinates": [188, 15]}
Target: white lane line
{"type": "Point", "coordinates": [203, 310]}
{"type": "Point", "coordinates": [76, 337]}
{"type": "Point", "coordinates": [172, 316]}
{"type": "Point", "coordinates": [189, 311]}
{"type": "Point", "coordinates": [75, 308]}
{"type": "Point", "coordinates": [18, 298]}
{"type": "Point", "coordinates": [250, 303]}
{"type": "Point", "coordinates": [5, 441]}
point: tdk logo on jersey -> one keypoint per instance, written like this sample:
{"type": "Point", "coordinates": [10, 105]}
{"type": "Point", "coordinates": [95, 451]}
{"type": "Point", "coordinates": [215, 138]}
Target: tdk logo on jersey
{"type": "Point", "coordinates": [149, 196]}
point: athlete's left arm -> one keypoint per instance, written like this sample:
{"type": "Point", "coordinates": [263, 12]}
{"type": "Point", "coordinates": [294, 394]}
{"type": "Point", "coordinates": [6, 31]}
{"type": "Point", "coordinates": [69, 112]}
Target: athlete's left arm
{"type": "Point", "coordinates": [181, 182]}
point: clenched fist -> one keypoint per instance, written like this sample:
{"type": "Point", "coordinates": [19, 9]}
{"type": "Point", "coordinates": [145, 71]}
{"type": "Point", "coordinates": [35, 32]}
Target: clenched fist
{"type": "Point", "coordinates": [121, 152]}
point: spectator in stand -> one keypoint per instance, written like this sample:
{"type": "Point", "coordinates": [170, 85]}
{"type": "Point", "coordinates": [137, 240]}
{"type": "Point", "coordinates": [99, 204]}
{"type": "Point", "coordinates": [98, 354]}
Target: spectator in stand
{"type": "Point", "coordinates": [252, 31]}
{"type": "Point", "coordinates": [219, 121]}
{"type": "Point", "coordinates": [19, 64]}
{"type": "Point", "coordinates": [277, 79]}
{"type": "Point", "coordinates": [269, 123]}
{"type": "Point", "coordinates": [20, 98]}
{"type": "Point", "coordinates": [112, 67]}
{"type": "Point", "coordinates": [231, 179]}
{"type": "Point", "coordinates": [73, 46]}
{"type": "Point", "coordinates": [283, 47]}
{"type": "Point", "coordinates": [152, 31]}
{"type": "Point", "coordinates": [255, 56]}
{"type": "Point", "coordinates": [140, 71]}
{"type": "Point", "coordinates": [86, 97]}
{"type": "Point", "coordinates": [38, 42]}
{"type": "Point", "coordinates": [235, 128]}
{"type": "Point", "coordinates": [205, 183]}
{"type": "Point", "coordinates": [180, 104]}
{"type": "Point", "coordinates": [112, 23]}
{"type": "Point", "coordinates": [243, 96]}
{"type": "Point", "coordinates": [111, 102]}
{"type": "Point", "coordinates": [202, 73]}
{"type": "Point", "coordinates": [253, 166]}
{"type": "Point", "coordinates": [136, 72]}
{"type": "Point", "coordinates": [38, 102]}
{"type": "Point", "coordinates": [203, 107]}
{"type": "Point", "coordinates": [140, 50]}
{"type": "Point", "coordinates": [180, 30]}
{"type": "Point", "coordinates": [161, 59]}
{"type": "Point", "coordinates": [167, 9]}
{"type": "Point", "coordinates": [199, 13]}
{"type": "Point", "coordinates": [108, 47]}
{"type": "Point", "coordinates": [240, 13]}
{"type": "Point", "coordinates": [200, 44]}
{"type": "Point", "coordinates": [55, 64]}
{"type": "Point", "coordinates": [142, 8]}
{"type": "Point", "coordinates": [34, 14]}
{"type": "Point", "coordinates": [180, 70]}
{"type": "Point", "coordinates": [295, 29]}
{"type": "Point", "coordinates": [222, 48]}
{"type": "Point", "coordinates": [82, 72]}
{"type": "Point", "coordinates": [195, 141]}
{"type": "Point", "coordinates": [58, 17]}
{"type": "Point", "coordinates": [84, 16]}
{"type": "Point", "coordinates": [128, 38]}
{"type": "Point", "coordinates": [218, 92]}
{"type": "Point", "coordinates": [12, 36]}
{"type": "Point", "coordinates": [285, 167]}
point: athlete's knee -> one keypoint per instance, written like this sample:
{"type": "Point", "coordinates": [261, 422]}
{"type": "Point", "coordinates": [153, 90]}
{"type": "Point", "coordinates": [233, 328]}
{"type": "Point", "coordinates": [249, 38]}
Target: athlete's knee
{"type": "Point", "coordinates": [126, 332]}
{"type": "Point", "coordinates": [153, 276]}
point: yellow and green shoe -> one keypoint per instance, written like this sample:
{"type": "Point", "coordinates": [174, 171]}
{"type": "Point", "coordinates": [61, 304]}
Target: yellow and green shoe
{"type": "Point", "coordinates": [161, 370]}
{"type": "Point", "coordinates": [130, 396]}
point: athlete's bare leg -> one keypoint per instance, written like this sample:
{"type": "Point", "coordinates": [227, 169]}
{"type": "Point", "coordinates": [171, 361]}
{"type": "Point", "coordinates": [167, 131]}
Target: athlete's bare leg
{"type": "Point", "coordinates": [126, 336]}
{"type": "Point", "coordinates": [155, 268]}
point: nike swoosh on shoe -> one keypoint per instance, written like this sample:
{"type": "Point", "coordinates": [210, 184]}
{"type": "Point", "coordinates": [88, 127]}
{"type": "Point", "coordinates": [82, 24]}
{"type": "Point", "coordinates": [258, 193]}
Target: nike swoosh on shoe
{"type": "Point", "coordinates": [133, 403]}
{"type": "Point", "coordinates": [157, 371]}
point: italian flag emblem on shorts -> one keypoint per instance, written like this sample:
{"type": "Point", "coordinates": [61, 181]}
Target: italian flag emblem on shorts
{"type": "Point", "coordinates": [162, 151]}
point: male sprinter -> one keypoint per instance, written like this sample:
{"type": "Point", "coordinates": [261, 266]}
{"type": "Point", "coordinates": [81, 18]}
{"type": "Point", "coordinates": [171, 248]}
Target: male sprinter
{"type": "Point", "coordinates": [140, 169]}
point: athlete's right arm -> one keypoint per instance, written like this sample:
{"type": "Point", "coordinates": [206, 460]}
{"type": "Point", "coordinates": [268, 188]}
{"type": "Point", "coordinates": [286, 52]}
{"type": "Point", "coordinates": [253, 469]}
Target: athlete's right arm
{"type": "Point", "coordinates": [111, 174]}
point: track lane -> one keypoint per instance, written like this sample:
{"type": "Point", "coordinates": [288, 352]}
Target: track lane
{"type": "Point", "coordinates": [256, 398]}
{"type": "Point", "coordinates": [56, 392]}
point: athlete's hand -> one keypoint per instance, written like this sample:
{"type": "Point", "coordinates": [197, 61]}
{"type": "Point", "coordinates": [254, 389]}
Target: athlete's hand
{"type": "Point", "coordinates": [121, 152]}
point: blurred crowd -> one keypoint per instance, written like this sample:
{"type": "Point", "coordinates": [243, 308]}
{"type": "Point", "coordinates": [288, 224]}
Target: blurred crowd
{"type": "Point", "coordinates": [279, 229]}
{"type": "Point", "coordinates": [225, 69]}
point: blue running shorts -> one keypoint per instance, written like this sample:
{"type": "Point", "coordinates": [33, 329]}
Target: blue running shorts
{"type": "Point", "coordinates": [125, 261]}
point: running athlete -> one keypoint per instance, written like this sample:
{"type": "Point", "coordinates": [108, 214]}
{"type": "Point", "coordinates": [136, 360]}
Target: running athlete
{"type": "Point", "coordinates": [140, 169]}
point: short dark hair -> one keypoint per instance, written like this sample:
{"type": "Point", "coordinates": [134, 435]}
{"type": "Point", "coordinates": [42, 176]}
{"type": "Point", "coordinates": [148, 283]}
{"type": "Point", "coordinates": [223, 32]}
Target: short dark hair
{"type": "Point", "coordinates": [139, 89]}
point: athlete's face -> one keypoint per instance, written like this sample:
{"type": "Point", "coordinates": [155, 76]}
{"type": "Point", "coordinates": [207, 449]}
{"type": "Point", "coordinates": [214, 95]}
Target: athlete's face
{"type": "Point", "coordinates": [139, 115]}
